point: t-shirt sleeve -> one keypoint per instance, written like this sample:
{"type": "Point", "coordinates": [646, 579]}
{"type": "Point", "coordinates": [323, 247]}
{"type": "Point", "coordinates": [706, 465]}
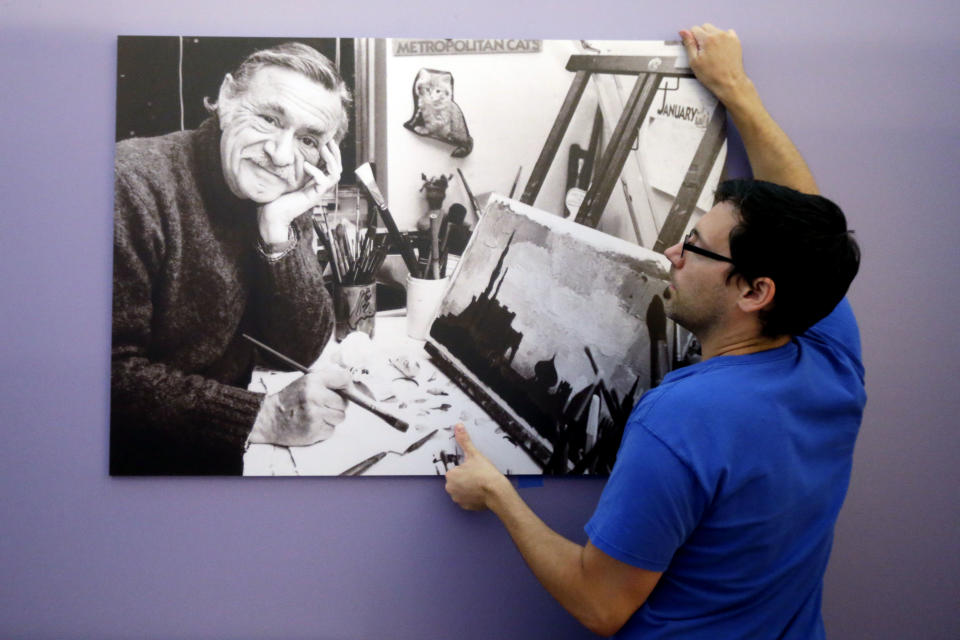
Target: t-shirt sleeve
{"type": "Point", "coordinates": [650, 505]}
{"type": "Point", "coordinates": [839, 329]}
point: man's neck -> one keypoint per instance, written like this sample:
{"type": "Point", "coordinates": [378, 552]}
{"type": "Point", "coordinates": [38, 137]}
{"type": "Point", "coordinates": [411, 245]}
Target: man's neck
{"type": "Point", "coordinates": [739, 344]}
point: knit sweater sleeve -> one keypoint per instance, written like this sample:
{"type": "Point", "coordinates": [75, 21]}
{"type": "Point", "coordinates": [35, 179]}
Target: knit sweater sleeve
{"type": "Point", "coordinates": [152, 401]}
{"type": "Point", "coordinates": [293, 310]}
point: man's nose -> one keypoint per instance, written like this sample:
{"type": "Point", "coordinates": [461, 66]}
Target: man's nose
{"type": "Point", "coordinates": [280, 148]}
{"type": "Point", "coordinates": [675, 254]}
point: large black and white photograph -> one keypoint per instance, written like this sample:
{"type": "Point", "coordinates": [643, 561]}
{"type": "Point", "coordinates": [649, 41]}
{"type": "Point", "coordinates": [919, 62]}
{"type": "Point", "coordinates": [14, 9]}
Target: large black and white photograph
{"type": "Point", "coordinates": [330, 251]}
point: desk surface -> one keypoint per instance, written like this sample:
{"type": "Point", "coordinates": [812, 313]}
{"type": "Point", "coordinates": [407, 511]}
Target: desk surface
{"type": "Point", "coordinates": [428, 401]}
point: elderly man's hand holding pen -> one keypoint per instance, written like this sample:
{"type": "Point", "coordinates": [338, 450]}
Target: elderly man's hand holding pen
{"type": "Point", "coordinates": [305, 411]}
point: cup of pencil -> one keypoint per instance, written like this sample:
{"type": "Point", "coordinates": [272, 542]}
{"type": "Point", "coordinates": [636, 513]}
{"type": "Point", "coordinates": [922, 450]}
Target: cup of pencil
{"type": "Point", "coordinates": [427, 285]}
{"type": "Point", "coordinates": [354, 258]}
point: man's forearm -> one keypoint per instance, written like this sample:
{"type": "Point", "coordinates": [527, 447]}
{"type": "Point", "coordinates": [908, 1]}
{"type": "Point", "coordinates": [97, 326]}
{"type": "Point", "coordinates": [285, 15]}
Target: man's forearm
{"type": "Point", "coordinates": [716, 59]}
{"type": "Point", "coordinates": [600, 591]}
{"type": "Point", "coordinates": [163, 421]}
{"type": "Point", "coordinates": [293, 310]}
{"type": "Point", "coordinates": [772, 154]}
{"type": "Point", "coordinates": [557, 563]}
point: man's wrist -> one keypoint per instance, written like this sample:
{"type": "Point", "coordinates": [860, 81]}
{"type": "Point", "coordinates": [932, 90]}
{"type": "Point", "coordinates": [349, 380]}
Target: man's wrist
{"type": "Point", "coordinates": [273, 232]}
{"type": "Point", "coordinates": [275, 248]}
{"type": "Point", "coordinates": [497, 491]}
{"type": "Point", "coordinates": [740, 97]}
{"type": "Point", "coordinates": [264, 422]}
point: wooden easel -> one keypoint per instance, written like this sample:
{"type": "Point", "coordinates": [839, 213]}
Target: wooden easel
{"type": "Point", "coordinates": [649, 71]}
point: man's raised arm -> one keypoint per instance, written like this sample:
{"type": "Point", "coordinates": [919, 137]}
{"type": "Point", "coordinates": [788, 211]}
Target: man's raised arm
{"type": "Point", "coordinates": [716, 59]}
{"type": "Point", "coordinates": [599, 591]}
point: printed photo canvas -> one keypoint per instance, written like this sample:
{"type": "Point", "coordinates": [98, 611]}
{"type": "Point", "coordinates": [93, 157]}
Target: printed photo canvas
{"type": "Point", "coordinates": [531, 184]}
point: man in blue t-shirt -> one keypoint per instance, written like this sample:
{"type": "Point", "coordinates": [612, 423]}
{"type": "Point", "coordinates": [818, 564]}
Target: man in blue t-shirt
{"type": "Point", "coordinates": [718, 517]}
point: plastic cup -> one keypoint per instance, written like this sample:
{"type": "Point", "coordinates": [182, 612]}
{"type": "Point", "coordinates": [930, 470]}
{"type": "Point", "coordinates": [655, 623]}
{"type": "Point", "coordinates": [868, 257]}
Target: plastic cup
{"type": "Point", "coordinates": [423, 300]}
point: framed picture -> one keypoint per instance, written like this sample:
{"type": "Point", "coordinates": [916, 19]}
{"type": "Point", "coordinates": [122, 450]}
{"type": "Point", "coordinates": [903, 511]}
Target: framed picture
{"type": "Point", "coordinates": [559, 170]}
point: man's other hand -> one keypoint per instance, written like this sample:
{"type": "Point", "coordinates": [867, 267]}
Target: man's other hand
{"type": "Point", "coordinates": [305, 411]}
{"type": "Point", "coordinates": [716, 59]}
{"type": "Point", "coordinates": [274, 218]}
{"type": "Point", "coordinates": [474, 481]}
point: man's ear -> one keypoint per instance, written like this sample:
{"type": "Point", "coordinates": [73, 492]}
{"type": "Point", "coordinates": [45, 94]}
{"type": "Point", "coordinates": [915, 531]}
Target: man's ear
{"type": "Point", "coordinates": [228, 89]}
{"type": "Point", "coordinates": [757, 295]}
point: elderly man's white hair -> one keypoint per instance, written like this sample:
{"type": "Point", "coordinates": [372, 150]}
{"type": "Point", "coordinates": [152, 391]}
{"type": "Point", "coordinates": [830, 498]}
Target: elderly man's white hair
{"type": "Point", "coordinates": [296, 57]}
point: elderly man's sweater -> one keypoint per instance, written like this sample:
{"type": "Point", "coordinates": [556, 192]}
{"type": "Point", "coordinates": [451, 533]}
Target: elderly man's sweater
{"type": "Point", "coordinates": [188, 281]}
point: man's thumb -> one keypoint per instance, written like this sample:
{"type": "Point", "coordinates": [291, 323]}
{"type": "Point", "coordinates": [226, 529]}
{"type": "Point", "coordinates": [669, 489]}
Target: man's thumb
{"type": "Point", "coordinates": [463, 439]}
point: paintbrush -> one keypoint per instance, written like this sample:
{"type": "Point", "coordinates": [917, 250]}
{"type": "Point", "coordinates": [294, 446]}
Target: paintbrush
{"type": "Point", "coordinates": [515, 181]}
{"type": "Point", "coordinates": [456, 235]}
{"type": "Point", "coordinates": [347, 394]}
{"type": "Point", "coordinates": [473, 201]}
{"type": "Point", "coordinates": [340, 235]}
{"type": "Point", "coordinates": [364, 174]}
{"type": "Point", "coordinates": [356, 234]}
{"type": "Point", "coordinates": [435, 245]}
{"type": "Point", "coordinates": [381, 256]}
{"type": "Point", "coordinates": [334, 253]}
{"type": "Point", "coordinates": [322, 236]}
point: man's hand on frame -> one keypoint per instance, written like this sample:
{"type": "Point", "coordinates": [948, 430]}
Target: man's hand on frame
{"type": "Point", "coordinates": [716, 58]}
{"type": "Point", "coordinates": [472, 483]}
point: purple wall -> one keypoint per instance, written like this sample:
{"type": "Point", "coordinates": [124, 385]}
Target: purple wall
{"type": "Point", "coordinates": [870, 93]}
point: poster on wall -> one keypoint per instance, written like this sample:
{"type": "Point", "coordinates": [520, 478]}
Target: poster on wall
{"type": "Point", "coordinates": [310, 280]}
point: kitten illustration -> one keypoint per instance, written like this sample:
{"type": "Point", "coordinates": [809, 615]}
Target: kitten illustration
{"type": "Point", "coordinates": [436, 115]}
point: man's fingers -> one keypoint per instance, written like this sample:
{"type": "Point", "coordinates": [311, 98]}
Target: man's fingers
{"type": "Point", "coordinates": [330, 375]}
{"type": "Point", "coordinates": [333, 401]}
{"type": "Point", "coordinates": [700, 35]}
{"type": "Point", "coordinates": [689, 43]}
{"type": "Point", "coordinates": [463, 439]}
{"type": "Point", "coordinates": [450, 475]}
{"type": "Point", "coordinates": [332, 417]}
{"type": "Point", "coordinates": [330, 153]}
{"type": "Point", "coordinates": [314, 172]}
{"type": "Point", "coordinates": [323, 398]}
{"type": "Point", "coordinates": [335, 150]}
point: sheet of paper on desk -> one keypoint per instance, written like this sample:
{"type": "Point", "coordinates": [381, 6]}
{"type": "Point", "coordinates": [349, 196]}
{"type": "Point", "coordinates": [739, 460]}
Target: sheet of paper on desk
{"type": "Point", "coordinates": [398, 371]}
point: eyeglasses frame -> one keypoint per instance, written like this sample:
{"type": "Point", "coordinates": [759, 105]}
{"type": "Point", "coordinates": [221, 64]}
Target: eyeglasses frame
{"type": "Point", "coordinates": [686, 246]}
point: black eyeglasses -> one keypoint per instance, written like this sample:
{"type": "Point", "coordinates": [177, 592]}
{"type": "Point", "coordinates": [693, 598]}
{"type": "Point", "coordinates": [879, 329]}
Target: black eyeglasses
{"type": "Point", "coordinates": [686, 246]}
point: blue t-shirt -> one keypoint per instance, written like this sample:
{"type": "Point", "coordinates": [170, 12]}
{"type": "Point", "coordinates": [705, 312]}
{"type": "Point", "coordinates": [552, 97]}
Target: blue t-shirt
{"type": "Point", "coordinates": [729, 479]}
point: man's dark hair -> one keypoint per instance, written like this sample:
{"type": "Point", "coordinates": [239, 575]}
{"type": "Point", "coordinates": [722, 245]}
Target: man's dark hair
{"type": "Point", "coordinates": [799, 241]}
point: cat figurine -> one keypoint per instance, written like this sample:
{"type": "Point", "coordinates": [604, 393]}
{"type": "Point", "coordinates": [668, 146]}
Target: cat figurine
{"type": "Point", "coordinates": [436, 115]}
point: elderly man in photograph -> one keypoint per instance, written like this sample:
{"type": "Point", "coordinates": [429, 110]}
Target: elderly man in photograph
{"type": "Point", "coordinates": [213, 240]}
{"type": "Point", "coordinates": [718, 516]}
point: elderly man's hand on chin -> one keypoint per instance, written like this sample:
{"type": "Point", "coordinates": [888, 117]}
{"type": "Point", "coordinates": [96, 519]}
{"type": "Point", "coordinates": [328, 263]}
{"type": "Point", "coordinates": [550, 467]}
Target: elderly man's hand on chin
{"type": "Point", "coordinates": [475, 483]}
{"type": "Point", "coordinates": [274, 218]}
{"type": "Point", "coordinates": [305, 411]}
